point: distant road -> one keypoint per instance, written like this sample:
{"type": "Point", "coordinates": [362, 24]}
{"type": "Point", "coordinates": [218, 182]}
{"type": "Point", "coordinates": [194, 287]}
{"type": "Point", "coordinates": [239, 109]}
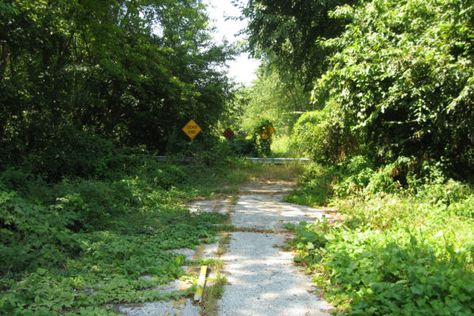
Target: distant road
{"type": "Point", "coordinates": [253, 159]}
{"type": "Point", "coordinates": [279, 160]}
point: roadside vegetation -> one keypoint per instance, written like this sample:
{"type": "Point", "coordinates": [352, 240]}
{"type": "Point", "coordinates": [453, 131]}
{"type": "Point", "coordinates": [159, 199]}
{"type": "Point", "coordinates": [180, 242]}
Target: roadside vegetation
{"type": "Point", "coordinates": [401, 245]}
{"type": "Point", "coordinates": [82, 246]}
{"type": "Point", "coordinates": [90, 93]}
{"type": "Point", "coordinates": [79, 245]}
{"type": "Point", "coordinates": [389, 125]}
{"type": "Point", "coordinates": [379, 94]}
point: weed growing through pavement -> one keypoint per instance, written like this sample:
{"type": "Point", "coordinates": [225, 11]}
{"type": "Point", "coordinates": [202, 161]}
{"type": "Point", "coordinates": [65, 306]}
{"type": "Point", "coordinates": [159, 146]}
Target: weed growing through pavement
{"type": "Point", "coordinates": [82, 245]}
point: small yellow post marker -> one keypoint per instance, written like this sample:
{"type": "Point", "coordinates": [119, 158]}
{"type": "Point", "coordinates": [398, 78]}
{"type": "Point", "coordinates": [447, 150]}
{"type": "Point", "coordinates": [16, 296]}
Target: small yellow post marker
{"type": "Point", "coordinates": [201, 284]}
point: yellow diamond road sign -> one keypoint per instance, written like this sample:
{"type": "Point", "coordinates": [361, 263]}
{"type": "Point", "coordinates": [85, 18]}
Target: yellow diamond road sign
{"type": "Point", "coordinates": [267, 132]}
{"type": "Point", "coordinates": [191, 129]}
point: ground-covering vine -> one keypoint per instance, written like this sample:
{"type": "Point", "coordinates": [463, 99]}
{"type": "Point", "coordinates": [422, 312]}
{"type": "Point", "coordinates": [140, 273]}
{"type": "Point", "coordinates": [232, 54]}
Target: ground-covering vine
{"type": "Point", "coordinates": [390, 128]}
{"type": "Point", "coordinates": [379, 93]}
{"type": "Point", "coordinates": [80, 246]}
{"type": "Point", "coordinates": [403, 247]}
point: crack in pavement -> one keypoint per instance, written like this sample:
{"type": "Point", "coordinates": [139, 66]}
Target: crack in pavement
{"type": "Point", "coordinates": [263, 279]}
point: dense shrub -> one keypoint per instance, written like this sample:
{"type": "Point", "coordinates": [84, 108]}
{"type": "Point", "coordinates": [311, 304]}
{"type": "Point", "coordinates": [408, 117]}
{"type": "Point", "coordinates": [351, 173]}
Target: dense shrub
{"type": "Point", "coordinates": [32, 235]}
{"type": "Point", "coordinates": [243, 146]}
{"type": "Point", "coordinates": [323, 135]}
{"type": "Point", "coordinates": [358, 171]}
{"type": "Point", "coordinates": [390, 272]}
{"type": "Point", "coordinates": [91, 205]}
{"type": "Point", "coordinates": [315, 186]}
{"type": "Point", "coordinates": [79, 244]}
{"type": "Point", "coordinates": [70, 153]}
{"type": "Point", "coordinates": [403, 78]}
{"type": "Point", "coordinates": [404, 243]}
{"type": "Point", "coordinates": [262, 137]}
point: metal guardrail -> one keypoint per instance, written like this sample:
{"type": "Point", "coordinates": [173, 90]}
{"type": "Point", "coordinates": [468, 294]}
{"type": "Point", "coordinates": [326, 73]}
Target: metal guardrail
{"type": "Point", "coordinates": [178, 159]}
{"type": "Point", "coordinates": [279, 160]}
{"type": "Point", "coordinates": [253, 159]}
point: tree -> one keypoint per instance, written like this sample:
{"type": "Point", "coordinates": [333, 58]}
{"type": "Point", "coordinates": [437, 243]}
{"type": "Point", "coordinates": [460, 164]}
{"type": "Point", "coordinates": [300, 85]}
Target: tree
{"type": "Point", "coordinates": [291, 34]}
{"type": "Point", "coordinates": [129, 71]}
{"type": "Point", "coordinates": [405, 79]}
{"type": "Point", "coordinates": [271, 97]}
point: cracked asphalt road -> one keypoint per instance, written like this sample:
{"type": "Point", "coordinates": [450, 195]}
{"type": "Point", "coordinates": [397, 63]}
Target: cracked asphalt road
{"type": "Point", "coordinates": [262, 278]}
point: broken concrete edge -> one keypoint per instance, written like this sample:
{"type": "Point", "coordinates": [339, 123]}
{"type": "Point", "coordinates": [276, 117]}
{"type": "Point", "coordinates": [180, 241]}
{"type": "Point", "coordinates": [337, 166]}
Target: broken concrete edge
{"type": "Point", "coordinates": [183, 307]}
{"type": "Point", "coordinates": [219, 204]}
{"type": "Point", "coordinates": [216, 280]}
{"type": "Point", "coordinates": [184, 287]}
{"type": "Point", "coordinates": [187, 285]}
{"type": "Point", "coordinates": [160, 297]}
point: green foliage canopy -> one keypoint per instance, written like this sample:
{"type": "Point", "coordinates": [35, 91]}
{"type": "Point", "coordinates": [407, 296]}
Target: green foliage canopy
{"type": "Point", "coordinates": [290, 34]}
{"type": "Point", "coordinates": [273, 98]}
{"type": "Point", "coordinates": [131, 71]}
{"type": "Point", "coordinates": [404, 78]}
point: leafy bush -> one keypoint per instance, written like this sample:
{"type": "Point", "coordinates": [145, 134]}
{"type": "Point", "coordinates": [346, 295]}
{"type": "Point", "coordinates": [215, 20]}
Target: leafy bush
{"type": "Point", "coordinates": [243, 146]}
{"type": "Point", "coordinates": [358, 172]}
{"type": "Point", "coordinates": [404, 245]}
{"type": "Point", "coordinates": [403, 78]}
{"type": "Point", "coordinates": [32, 235]}
{"type": "Point", "coordinates": [382, 181]}
{"type": "Point", "coordinates": [90, 205]}
{"type": "Point", "coordinates": [356, 175]}
{"type": "Point", "coordinates": [15, 179]}
{"type": "Point", "coordinates": [263, 137]}
{"type": "Point", "coordinates": [315, 186]}
{"type": "Point", "coordinates": [165, 176]}
{"type": "Point", "coordinates": [392, 272]}
{"type": "Point", "coordinates": [463, 207]}
{"type": "Point", "coordinates": [452, 197]}
{"type": "Point", "coordinates": [72, 153]}
{"type": "Point", "coordinates": [323, 135]}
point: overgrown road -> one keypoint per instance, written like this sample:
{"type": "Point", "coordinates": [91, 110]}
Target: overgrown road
{"type": "Point", "coordinates": [262, 278]}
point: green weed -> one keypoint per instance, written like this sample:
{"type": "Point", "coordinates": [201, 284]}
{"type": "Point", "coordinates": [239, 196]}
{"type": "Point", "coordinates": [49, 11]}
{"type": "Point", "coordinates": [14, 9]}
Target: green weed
{"type": "Point", "coordinates": [84, 244]}
{"type": "Point", "coordinates": [405, 246]}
